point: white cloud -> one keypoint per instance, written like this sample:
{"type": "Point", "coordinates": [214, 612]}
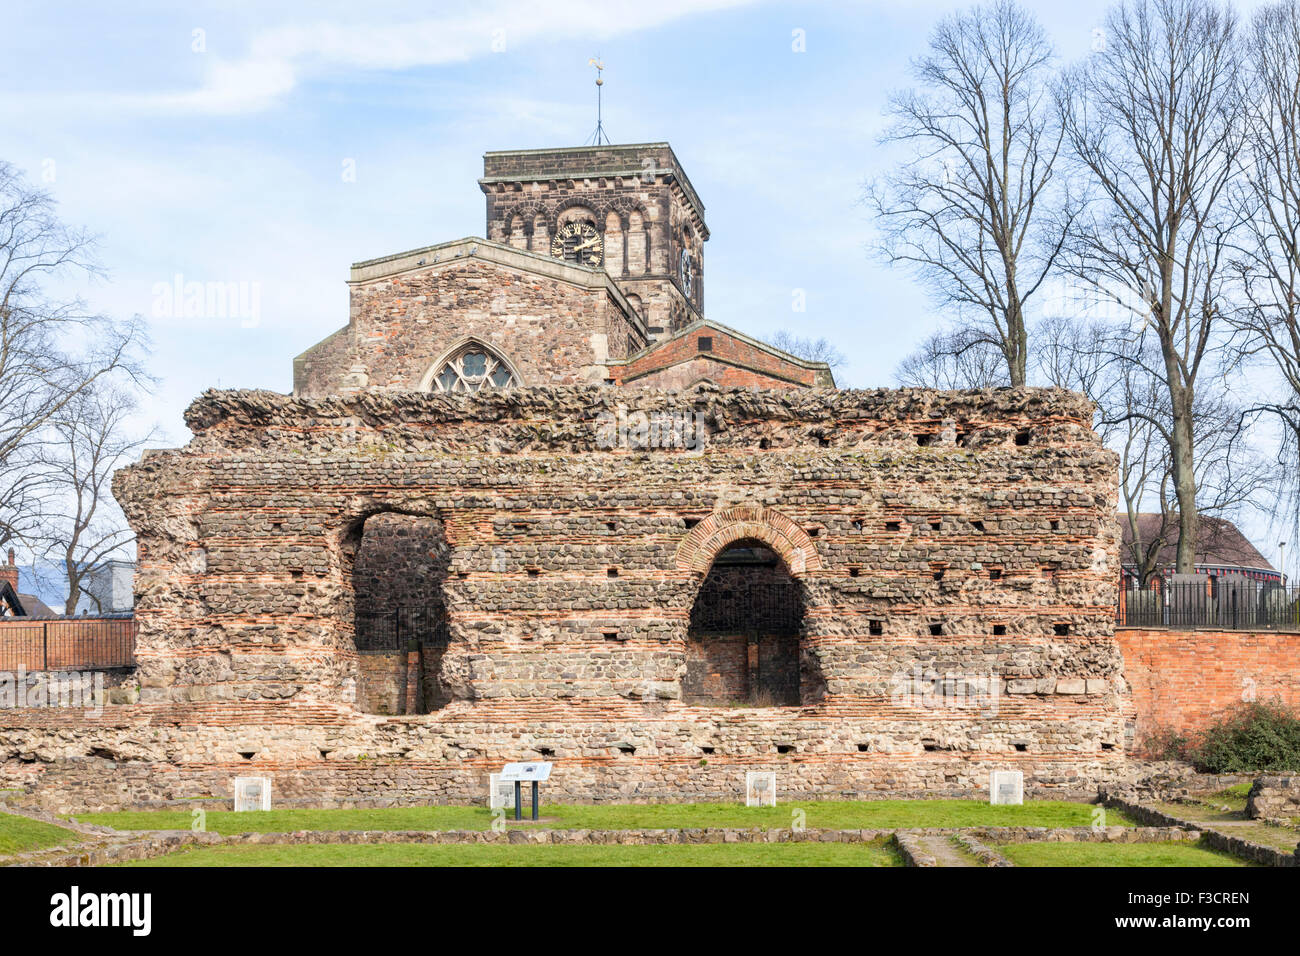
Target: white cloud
{"type": "Point", "coordinates": [279, 57]}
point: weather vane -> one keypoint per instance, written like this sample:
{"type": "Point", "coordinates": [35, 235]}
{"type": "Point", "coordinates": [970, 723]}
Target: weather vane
{"type": "Point", "coordinates": [600, 133]}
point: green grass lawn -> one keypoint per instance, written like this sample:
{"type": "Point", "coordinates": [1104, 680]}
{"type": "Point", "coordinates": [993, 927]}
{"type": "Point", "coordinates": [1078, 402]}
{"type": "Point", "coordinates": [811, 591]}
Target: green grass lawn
{"type": "Point", "coordinates": [1116, 854]}
{"type": "Point", "coordinates": [876, 853]}
{"type": "Point", "coordinates": [19, 834]}
{"type": "Point", "coordinates": [829, 814]}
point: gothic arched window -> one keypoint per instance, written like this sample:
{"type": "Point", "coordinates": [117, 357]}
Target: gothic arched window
{"type": "Point", "coordinates": [470, 368]}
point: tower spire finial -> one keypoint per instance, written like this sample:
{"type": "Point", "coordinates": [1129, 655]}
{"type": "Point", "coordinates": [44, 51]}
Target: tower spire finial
{"type": "Point", "coordinates": [600, 133]}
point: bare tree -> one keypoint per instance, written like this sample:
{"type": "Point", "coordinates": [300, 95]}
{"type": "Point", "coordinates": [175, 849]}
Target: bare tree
{"type": "Point", "coordinates": [1123, 374]}
{"type": "Point", "coordinates": [811, 350]}
{"type": "Point", "coordinates": [956, 359]}
{"type": "Point", "coordinates": [85, 529]}
{"type": "Point", "coordinates": [967, 209]}
{"type": "Point", "coordinates": [1154, 121]}
{"type": "Point", "coordinates": [1267, 262]}
{"type": "Point", "coordinates": [51, 350]}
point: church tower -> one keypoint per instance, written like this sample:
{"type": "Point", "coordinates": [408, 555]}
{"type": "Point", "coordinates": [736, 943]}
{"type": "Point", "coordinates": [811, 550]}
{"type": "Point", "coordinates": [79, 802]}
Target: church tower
{"type": "Point", "coordinates": [629, 209]}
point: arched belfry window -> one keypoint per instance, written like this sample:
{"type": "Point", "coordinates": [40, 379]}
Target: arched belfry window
{"type": "Point", "coordinates": [471, 367]}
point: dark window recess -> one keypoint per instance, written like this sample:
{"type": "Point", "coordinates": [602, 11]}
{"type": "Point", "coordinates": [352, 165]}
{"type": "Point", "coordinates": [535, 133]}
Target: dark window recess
{"type": "Point", "coordinates": [1061, 630]}
{"type": "Point", "coordinates": [520, 526]}
{"type": "Point", "coordinates": [823, 441]}
{"type": "Point", "coordinates": [626, 749]}
{"type": "Point", "coordinates": [893, 526]}
{"type": "Point", "coordinates": [854, 572]}
{"type": "Point", "coordinates": [1055, 525]}
{"type": "Point", "coordinates": [863, 748]}
{"type": "Point", "coordinates": [247, 754]}
{"type": "Point", "coordinates": [764, 443]}
{"type": "Point", "coordinates": [534, 572]}
{"type": "Point", "coordinates": [706, 343]}
{"type": "Point", "coordinates": [707, 750]}
{"type": "Point", "coordinates": [785, 748]}
{"type": "Point", "coordinates": [857, 524]}
{"type": "Point", "coordinates": [938, 575]}
{"type": "Point", "coordinates": [929, 745]}
{"type": "Point", "coordinates": [324, 754]}
{"type": "Point", "coordinates": [876, 627]}
{"type": "Point", "coordinates": [924, 439]}
{"type": "Point", "coordinates": [611, 525]}
{"type": "Point", "coordinates": [936, 630]}
{"type": "Point", "coordinates": [978, 526]}
{"type": "Point", "coordinates": [1021, 748]}
{"type": "Point", "coordinates": [936, 525]}
{"type": "Point", "coordinates": [995, 574]}
{"type": "Point", "coordinates": [690, 522]}
{"type": "Point", "coordinates": [1022, 437]}
{"type": "Point", "coordinates": [612, 572]}
{"type": "Point", "coordinates": [1107, 746]}
{"type": "Point", "coordinates": [609, 635]}
{"type": "Point", "coordinates": [999, 630]}
{"type": "Point", "coordinates": [546, 751]}
{"type": "Point", "coordinates": [814, 532]}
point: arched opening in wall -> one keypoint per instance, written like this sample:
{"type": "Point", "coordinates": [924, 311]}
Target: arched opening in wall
{"type": "Point", "coordinates": [401, 628]}
{"type": "Point", "coordinates": [744, 644]}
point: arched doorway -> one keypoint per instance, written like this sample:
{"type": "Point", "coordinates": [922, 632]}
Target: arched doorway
{"type": "Point", "coordinates": [400, 625]}
{"type": "Point", "coordinates": [744, 642]}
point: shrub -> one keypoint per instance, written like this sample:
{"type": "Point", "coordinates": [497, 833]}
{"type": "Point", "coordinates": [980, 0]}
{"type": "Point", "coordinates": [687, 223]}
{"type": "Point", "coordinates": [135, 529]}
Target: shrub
{"type": "Point", "coordinates": [1163, 743]}
{"type": "Point", "coordinates": [1256, 737]}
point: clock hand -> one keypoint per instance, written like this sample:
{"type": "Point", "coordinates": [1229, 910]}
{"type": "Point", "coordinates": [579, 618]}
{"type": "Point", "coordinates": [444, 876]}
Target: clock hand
{"type": "Point", "coordinates": [584, 245]}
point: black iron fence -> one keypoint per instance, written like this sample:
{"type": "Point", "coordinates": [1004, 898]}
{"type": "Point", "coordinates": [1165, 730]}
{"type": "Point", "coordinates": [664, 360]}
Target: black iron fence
{"type": "Point", "coordinates": [1237, 605]}
{"type": "Point", "coordinates": [67, 645]}
{"type": "Point", "coordinates": [401, 629]}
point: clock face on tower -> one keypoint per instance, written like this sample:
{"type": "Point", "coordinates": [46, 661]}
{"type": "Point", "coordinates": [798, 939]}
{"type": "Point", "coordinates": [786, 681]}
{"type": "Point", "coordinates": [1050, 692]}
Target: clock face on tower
{"type": "Point", "coordinates": [578, 242]}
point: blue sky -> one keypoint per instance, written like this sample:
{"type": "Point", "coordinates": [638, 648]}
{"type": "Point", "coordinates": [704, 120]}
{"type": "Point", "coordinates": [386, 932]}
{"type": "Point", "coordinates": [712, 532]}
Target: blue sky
{"type": "Point", "coordinates": [210, 141]}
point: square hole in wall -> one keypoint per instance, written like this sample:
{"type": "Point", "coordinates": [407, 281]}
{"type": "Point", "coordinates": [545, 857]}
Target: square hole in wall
{"type": "Point", "coordinates": [1022, 437]}
{"type": "Point", "coordinates": [705, 343]}
{"type": "Point", "coordinates": [1054, 524]}
{"type": "Point", "coordinates": [708, 750]}
{"type": "Point", "coordinates": [534, 572]}
{"type": "Point", "coordinates": [924, 439]}
{"type": "Point", "coordinates": [855, 572]}
{"type": "Point", "coordinates": [876, 628]}
{"type": "Point", "coordinates": [611, 526]}
{"type": "Point", "coordinates": [785, 748]}
{"type": "Point", "coordinates": [609, 635]}
{"type": "Point", "coordinates": [864, 748]}
{"type": "Point", "coordinates": [1061, 630]}
{"type": "Point", "coordinates": [978, 526]}
{"type": "Point", "coordinates": [938, 574]}
{"type": "Point", "coordinates": [893, 526]}
{"type": "Point", "coordinates": [690, 522]}
{"type": "Point", "coordinates": [995, 574]}
{"type": "Point", "coordinates": [611, 572]}
{"type": "Point", "coordinates": [999, 630]}
{"type": "Point", "coordinates": [936, 525]}
{"type": "Point", "coordinates": [1020, 746]}
{"type": "Point", "coordinates": [936, 630]}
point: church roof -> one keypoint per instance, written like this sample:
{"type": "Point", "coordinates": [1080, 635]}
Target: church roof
{"type": "Point", "coordinates": [778, 364]}
{"type": "Point", "coordinates": [1219, 543]}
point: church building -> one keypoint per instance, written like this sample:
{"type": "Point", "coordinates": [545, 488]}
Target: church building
{"type": "Point", "coordinates": [592, 272]}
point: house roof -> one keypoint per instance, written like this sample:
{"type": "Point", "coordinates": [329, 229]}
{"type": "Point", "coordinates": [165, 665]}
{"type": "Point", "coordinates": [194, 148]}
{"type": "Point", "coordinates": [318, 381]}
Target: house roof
{"type": "Point", "coordinates": [1219, 542]}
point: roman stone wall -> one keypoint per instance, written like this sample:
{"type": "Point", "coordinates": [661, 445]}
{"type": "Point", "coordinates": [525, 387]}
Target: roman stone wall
{"type": "Point", "coordinates": [1183, 680]}
{"type": "Point", "coordinates": [956, 555]}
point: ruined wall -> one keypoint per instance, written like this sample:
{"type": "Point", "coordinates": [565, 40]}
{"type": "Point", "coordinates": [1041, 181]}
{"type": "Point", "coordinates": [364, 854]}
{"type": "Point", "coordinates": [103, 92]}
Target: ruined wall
{"type": "Point", "coordinates": [1182, 680]}
{"type": "Point", "coordinates": [956, 553]}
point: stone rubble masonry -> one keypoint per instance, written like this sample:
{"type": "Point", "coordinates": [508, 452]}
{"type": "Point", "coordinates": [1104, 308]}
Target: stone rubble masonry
{"type": "Point", "coordinates": [957, 554]}
{"type": "Point", "coordinates": [1274, 798]}
{"type": "Point", "coordinates": [554, 322]}
{"type": "Point", "coordinates": [1185, 679]}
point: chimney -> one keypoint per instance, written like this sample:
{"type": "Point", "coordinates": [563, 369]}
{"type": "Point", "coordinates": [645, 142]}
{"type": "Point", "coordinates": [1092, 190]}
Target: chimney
{"type": "Point", "coordinates": [9, 572]}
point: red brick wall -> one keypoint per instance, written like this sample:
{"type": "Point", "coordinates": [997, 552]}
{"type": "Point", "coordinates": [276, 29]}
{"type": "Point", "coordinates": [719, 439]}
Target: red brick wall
{"type": "Point", "coordinates": [679, 362]}
{"type": "Point", "coordinates": [1181, 679]}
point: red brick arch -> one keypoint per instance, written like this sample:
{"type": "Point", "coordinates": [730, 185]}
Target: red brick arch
{"type": "Point", "coordinates": [715, 533]}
